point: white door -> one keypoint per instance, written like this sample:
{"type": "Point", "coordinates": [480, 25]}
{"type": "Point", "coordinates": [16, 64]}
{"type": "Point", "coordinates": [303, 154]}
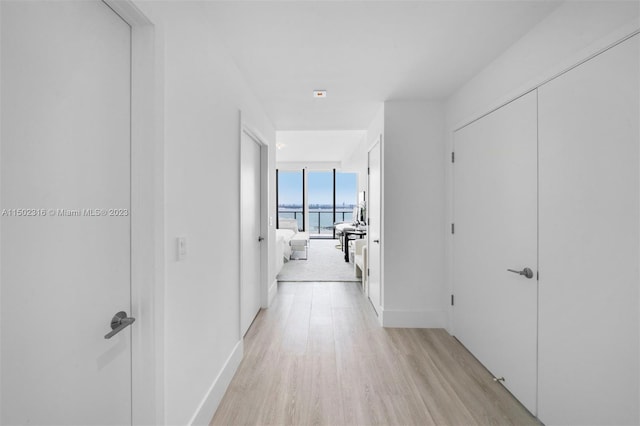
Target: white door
{"type": "Point", "coordinates": [251, 232]}
{"type": "Point", "coordinates": [589, 188]}
{"type": "Point", "coordinates": [374, 227]}
{"type": "Point", "coordinates": [495, 213]}
{"type": "Point", "coordinates": [65, 268]}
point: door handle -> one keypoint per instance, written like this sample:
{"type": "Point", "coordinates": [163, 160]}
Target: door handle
{"type": "Point", "coordinates": [119, 322]}
{"type": "Point", "coordinates": [527, 272]}
{"type": "Point", "coordinates": [260, 239]}
{"type": "Point", "coordinates": [376, 241]}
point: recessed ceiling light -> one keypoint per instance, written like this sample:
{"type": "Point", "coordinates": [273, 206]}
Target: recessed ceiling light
{"type": "Point", "coordinates": [319, 93]}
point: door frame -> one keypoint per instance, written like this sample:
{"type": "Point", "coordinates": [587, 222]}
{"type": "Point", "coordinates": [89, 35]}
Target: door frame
{"type": "Point", "coordinates": [377, 144]}
{"type": "Point", "coordinates": [250, 131]}
{"type": "Point", "coordinates": [147, 216]}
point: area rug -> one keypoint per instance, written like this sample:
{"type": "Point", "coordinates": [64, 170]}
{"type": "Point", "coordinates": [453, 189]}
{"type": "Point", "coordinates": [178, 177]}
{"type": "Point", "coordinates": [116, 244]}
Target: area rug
{"type": "Point", "coordinates": [325, 263]}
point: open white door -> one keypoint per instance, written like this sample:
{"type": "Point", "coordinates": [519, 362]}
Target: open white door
{"type": "Point", "coordinates": [374, 227]}
{"type": "Point", "coordinates": [495, 211]}
{"type": "Point", "coordinates": [65, 202]}
{"type": "Point", "coordinates": [251, 233]}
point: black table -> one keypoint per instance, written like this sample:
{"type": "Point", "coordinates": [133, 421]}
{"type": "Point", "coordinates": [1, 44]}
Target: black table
{"type": "Point", "coordinates": [347, 232]}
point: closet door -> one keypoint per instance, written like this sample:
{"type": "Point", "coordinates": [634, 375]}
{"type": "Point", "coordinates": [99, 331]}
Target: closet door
{"type": "Point", "coordinates": [589, 188]}
{"type": "Point", "coordinates": [495, 211]}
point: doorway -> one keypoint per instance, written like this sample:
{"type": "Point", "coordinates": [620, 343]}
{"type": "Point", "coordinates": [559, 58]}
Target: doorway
{"type": "Point", "coordinates": [374, 211]}
{"type": "Point", "coordinates": [252, 235]}
{"type": "Point", "coordinates": [27, 19]}
{"type": "Point", "coordinates": [66, 223]}
{"type": "Point", "coordinates": [495, 235]}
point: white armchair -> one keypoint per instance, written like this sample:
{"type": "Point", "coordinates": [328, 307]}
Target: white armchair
{"type": "Point", "coordinates": [360, 260]}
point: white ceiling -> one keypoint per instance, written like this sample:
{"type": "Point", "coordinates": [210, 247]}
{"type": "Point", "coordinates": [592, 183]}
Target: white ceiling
{"type": "Point", "coordinates": [317, 146]}
{"type": "Point", "coordinates": [363, 52]}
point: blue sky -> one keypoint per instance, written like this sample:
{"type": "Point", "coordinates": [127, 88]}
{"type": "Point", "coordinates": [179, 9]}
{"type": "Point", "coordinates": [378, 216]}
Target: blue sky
{"type": "Point", "coordinates": [320, 188]}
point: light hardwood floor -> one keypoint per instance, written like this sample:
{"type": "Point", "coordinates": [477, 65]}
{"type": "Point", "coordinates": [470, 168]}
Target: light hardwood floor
{"type": "Point", "coordinates": [319, 357]}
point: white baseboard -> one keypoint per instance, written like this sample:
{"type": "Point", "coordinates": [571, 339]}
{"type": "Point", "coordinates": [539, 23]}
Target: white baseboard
{"type": "Point", "coordinates": [434, 318]}
{"type": "Point", "coordinates": [273, 291]}
{"type": "Point", "coordinates": [209, 404]}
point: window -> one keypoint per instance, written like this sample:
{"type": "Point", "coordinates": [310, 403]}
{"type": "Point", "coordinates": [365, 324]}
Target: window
{"type": "Point", "coordinates": [346, 196]}
{"type": "Point", "coordinates": [290, 196]}
{"type": "Point", "coordinates": [321, 204]}
{"type": "Point", "coordinates": [332, 197]}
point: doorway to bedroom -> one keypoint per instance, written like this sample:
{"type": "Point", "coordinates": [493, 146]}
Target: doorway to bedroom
{"type": "Point", "coordinates": [314, 210]}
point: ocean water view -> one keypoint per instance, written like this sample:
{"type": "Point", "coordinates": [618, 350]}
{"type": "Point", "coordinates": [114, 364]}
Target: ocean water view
{"type": "Point", "coordinates": [320, 219]}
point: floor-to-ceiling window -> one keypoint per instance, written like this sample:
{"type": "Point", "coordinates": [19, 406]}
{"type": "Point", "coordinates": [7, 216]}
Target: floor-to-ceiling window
{"type": "Point", "coordinates": [290, 196]}
{"type": "Point", "coordinates": [320, 191]}
{"type": "Point", "coordinates": [346, 196]}
{"type": "Point", "coordinates": [332, 198]}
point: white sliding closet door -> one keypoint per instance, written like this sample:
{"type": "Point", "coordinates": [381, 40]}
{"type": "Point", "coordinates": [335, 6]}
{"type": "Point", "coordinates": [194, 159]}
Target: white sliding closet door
{"type": "Point", "coordinates": [495, 210]}
{"type": "Point", "coordinates": [588, 344]}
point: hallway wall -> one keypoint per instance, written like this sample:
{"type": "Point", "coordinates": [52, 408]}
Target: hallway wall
{"type": "Point", "coordinates": [357, 162]}
{"type": "Point", "coordinates": [414, 223]}
{"type": "Point", "coordinates": [569, 34]}
{"type": "Point", "coordinates": [203, 97]}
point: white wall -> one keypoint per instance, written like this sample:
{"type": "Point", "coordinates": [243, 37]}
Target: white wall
{"type": "Point", "coordinates": [414, 224]}
{"type": "Point", "coordinates": [203, 97]}
{"type": "Point", "coordinates": [375, 129]}
{"type": "Point", "coordinates": [569, 35]}
{"type": "Point", "coordinates": [310, 165]}
{"type": "Point", "coordinates": [357, 162]}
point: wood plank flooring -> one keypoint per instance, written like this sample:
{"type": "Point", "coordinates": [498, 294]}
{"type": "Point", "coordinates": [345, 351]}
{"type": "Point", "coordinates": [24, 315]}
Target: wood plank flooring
{"type": "Point", "coordinates": [319, 357]}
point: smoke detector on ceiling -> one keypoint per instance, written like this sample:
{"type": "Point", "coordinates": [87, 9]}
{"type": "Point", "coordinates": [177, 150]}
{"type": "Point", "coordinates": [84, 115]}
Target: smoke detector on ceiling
{"type": "Point", "coordinates": [319, 93]}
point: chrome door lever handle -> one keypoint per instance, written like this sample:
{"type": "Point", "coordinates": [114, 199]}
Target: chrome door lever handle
{"type": "Point", "coordinates": [376, 241]}
{"type": "Point", "coordinates": [260, 239]}
{"type": "Point", "coordinates": [527, 272]}
{"type": "Point", "coordinates": [119, 322]}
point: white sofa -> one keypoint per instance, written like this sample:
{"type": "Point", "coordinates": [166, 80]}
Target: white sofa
{"type": "Point", "coordinates": [360, 261]}
{"type": "Point", "coordinates": [289, 240]}
{"type": "Point", "coordinates": [283, 249]}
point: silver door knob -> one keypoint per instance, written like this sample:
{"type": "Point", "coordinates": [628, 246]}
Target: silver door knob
{"type": "Point", "coordinates": [119, 322]}
{"type": "Point", "coordinates": [527, 272]}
